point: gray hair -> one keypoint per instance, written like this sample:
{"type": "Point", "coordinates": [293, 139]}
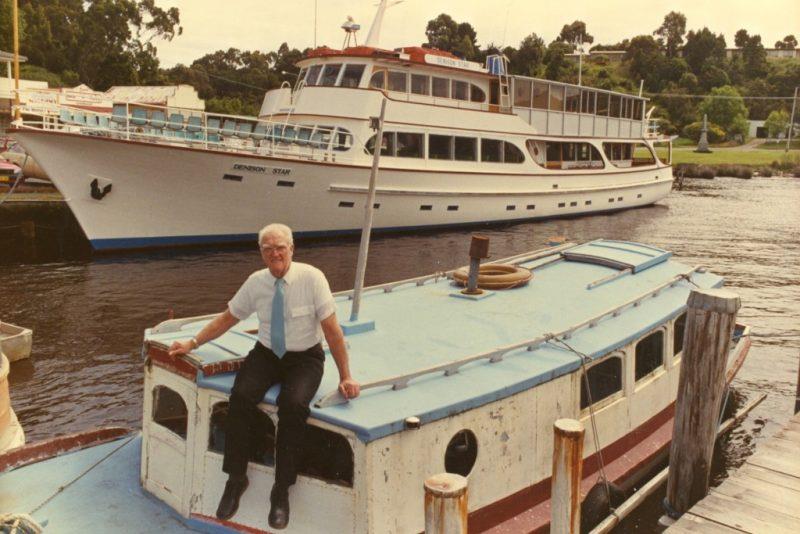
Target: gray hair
{"type": "Point", "coordinates": [276, 229]}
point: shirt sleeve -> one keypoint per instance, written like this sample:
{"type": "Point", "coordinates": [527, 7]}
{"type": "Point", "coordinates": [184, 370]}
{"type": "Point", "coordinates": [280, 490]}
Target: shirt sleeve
{"type": "Point", "coordinates": [241, 305]}
{"type": "Point", "coordinates": [323, 298]}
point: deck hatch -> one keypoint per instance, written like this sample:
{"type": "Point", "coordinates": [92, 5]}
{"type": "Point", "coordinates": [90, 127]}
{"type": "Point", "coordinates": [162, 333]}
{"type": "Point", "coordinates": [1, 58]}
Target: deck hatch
{"type": "Point", "coordinates": [618, 254]}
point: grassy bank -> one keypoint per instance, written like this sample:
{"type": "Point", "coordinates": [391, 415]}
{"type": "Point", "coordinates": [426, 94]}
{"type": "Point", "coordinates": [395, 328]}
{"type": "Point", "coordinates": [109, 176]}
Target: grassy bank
{"type": "Point", "coordinates": [755, 157]}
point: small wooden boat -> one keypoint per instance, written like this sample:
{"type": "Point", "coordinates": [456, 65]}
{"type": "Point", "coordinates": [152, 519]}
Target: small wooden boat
{"type": "Point", "coordinates": [15, 341]}
{"type": "Point", "coordinates": [468, 385]}
{"type": "Point", "coordinates": [11, 434]}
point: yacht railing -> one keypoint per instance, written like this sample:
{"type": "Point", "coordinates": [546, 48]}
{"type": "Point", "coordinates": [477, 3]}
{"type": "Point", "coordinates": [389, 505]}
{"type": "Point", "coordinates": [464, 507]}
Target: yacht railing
{"type": "Point", "coordinates": [200, 129]}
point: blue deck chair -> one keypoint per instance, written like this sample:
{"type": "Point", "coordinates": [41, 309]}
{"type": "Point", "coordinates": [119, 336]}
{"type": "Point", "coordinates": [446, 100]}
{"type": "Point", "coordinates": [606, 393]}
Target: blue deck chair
{"type": "Point", "coordinates": [194, 127]}
{"type": "Point", "coordinates": [158, 121]}
{"type": "Point", "coordinates": [119, 114]}
{"type": "Point", "coordinates": [79, 118]}
{"type": "Point", "coordinates": [243, 130]}
{"type": "Point", "coordinates": [102, 121]}
{"type": "Point", "coordinates": [260, 132]}
{"type": "Point", "coordinates": [175, 125]}
{"type": "Point", "coordinates": [212, 130]}
{"type": "Point", "coordinates": [139, 117]}
{"type": "Point", "coordinates": [228, 127]}
{"type": "Point", "coordinates": [65, 116]}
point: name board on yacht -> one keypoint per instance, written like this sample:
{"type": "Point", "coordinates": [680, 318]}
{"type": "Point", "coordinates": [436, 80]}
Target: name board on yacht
{"type": "Point", "coordinates": [454, 63]}
{"type": "Point", "coordinates": [261, 169]}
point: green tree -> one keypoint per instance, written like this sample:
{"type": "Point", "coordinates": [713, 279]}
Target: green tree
{"type": "Point", "coordinates": [671, 32]}
{"type": "Point", "coordinates": [788, 43]}
{"type": "Point", "coordinates": [703, 47]}
{"type": "Point", "coordinates": [446, 34]}
{"type": "Point", "coordinates": [575, 32]}
{"type": "Point", "coordinates": [725, 106]}
{"type": "Point", "coordinates": [557, 67]}
{"type": "Point", "coordinates": [528, 59]}
{"type": "Point", "coordinates": [776, 123]}
{"type": "Point", "coordinates": [754, 56]}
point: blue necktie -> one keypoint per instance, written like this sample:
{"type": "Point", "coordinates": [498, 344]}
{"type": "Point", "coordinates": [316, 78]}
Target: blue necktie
{"type": "Point", "coordinates": [276, 326]}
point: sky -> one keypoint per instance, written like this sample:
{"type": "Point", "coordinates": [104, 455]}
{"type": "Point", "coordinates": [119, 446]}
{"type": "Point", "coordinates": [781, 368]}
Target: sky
{"type": "Point", "coordinates": [210, 25]}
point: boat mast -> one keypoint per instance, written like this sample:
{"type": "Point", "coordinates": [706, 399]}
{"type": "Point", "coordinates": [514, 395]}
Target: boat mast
{"type": "Point", "coordinates": [15, 16]}
{"type": "Point", "coordinates": [374, 36]}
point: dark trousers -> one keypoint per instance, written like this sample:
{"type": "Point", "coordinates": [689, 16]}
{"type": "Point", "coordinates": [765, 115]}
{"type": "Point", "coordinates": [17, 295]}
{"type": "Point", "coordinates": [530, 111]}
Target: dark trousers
{"type": "Point", "coordinates": [299, 374]}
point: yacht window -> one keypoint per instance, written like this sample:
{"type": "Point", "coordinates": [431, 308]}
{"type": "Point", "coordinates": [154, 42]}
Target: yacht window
{"type": "Point", "coordinates": [330, 73]}
{"type": "Point", "coordinates": [677, 334]}
{"type": "Point", "coordinates": [573, 99]}
{"type": "Point", "coordinates": [420, 84]}
{"type": "Point", "coordinates": [460, 90]}
{"type": "Point", "coordinates": [642, 155]}
{"type": "Point", "coordinates": [540, 96]}
{"type": "Point", "coordinates": [491, 150]}
{"type": "Point", "coordinates": [303, 135]}
{"type": "Point", "coordinates": [321, 137]}
{"type": "Point", "coordinates": [587, 101]}
{"type": "Point", "coordinates": [553, 154]}
{"type": "Point", "coordinates": [410, 145]}
{"type": "Point", "coordinates": [313, 74]}
{"type": "Point", "coordinates": [614, 106]}
{"type": "Point", "coordinates": [440, 147]}
{"type": "Point", "coordinates": [441, 87]}
{"type": "Point", "coordinates": [476, 94]}
{"type": "Point", "coordinates": [637, 110]}
{"type": "Point", "coordinates": [378, 80]}
{"type": "Point", "coordinates": [602, 104]}
{"type": "Point", "coordinates": [522, 93]}
{"type": "Point", "coordinates": [605, 379]}
{"type": "Point", "coordinates": [387, 146]}
{"type": "Point", "coordinates": [169, 410]}
{"type": "Point", "coordinates": [512, 154]}
{"type": "Point", "coordinates": [343, 140]}
{"type": "Point", "coordinates": [556, 97]}
{"type": "Point", "coordinates": [398, 81]}
{"type": "Point", "coordinates": [466, 149]}
{"type": "Point", "coordinates": [262, 434]}
{"type": "Point", "coordinates": [649, 354]}
{"type": "Point", "coordinates": [301, 76]}
{"type": "Point", "coordinates": [352, 75]}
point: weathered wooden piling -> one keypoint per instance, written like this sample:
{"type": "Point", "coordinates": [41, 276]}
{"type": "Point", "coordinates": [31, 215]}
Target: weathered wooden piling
{"type": "Point", "coordinates": [710, 321]}
{"type": "Point", "coordinates": [446, 504]}
{"type": "Point", "coordinates": [565, 496]}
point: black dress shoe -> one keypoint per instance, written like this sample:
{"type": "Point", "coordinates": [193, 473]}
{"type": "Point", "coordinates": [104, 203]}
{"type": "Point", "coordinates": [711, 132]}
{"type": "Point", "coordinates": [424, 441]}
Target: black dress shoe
{"type": "Point", "coordinates": [229, 502]}
{"type": "Point", "coordinates": [279, 512]}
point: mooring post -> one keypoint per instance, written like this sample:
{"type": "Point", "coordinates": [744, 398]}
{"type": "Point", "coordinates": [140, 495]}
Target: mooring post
{"type": "Point", "coordinates": [710, 321]}
{"type": "Point", "coordinates": [565, 494]}
{"type": "Point", "coordinates": [797, 393]}
{"type": "Point", "coordinates": [446, 504]}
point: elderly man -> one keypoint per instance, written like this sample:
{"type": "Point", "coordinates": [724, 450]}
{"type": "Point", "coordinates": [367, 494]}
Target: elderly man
{"type": "Point", "coordinates": [295, 308]}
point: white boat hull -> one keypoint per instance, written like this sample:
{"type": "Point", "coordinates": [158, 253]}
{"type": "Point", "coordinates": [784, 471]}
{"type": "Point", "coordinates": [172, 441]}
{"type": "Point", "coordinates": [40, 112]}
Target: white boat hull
{"type": "Point", "coordinates": [164, 195]}
{"type": "Point", "coordinates": [15, 341]}
{"type": "Point", "coordinates": [11, 434]}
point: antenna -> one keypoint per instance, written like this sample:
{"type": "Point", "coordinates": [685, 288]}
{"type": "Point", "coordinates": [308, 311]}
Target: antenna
{"type": "Point", "coordinates": [350, 28]}
{"type": "Point", "coordinates": [374, 36]}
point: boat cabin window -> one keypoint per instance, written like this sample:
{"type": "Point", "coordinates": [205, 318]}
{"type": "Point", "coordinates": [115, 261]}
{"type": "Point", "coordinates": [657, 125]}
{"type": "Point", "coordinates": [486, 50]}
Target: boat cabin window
{"type": "Point", "coordinates": [420, 84]}
{"type": "Point", "coordinates": [587, 101]}
{"type": "Point", "coordinates": [378, 80]}
{"type": "Point", "coordinates": [301, 76]}
{"type": "Point", "coordinates": [398, 81]}
{"type": "Point", "coordinates": [562, 155]}
{"type": "Point", "coordinates": [556, 97]}
{"type": "Point", "coordinates": [466, 149]}
{"type": "Point", "coordinates": [262, 436]}
{"type": "Point", "coordinates": [440, 146]}
{"type": "Point", "coordinates": [512, 154]}
{"type": "Point", "coordinates": [460, 90]}
{"type": "Point", "coordinates": [678, 330]}
{"type": "Point", "coordinates": [573, 99]}
{"type": "Point", "coordinates": [327, 455]}
{"type": "Point", "coordinates": [410, 145]}
{"type": "Point", "coordinates": [614, 106]}
{"type": "Point", "coordinates": [629, 154]}
{"type": "Point", "coordinates": [476, 94]}
{"type": "Point", "coordinates": [496, 151]}
{"type": "Point", "coordinates": [604, 378]}
{"type": "Point", "coordinates": [649, 354]}
{"type": "Point", "coordinates": [461, 453]}
{"type": "Point", "coordinates": [540, 95]}
{"type": "Point", "coordinates": [321, 137]}
{"type": "Point", "coordinates": [602, 104]}
{"type": "Point", "coordinates": [441, 87]}
{"type": "Point", "coordinates": [330, 74]}
{"type": "Point", "coordinates": [352, 75]}
{"type": "Point", "coordinates": [313, 74]}
{"type": "Point", "coordinates": [637, 110]}
{"type": "Point", "coordinates": [169, 410]}
{"type": "Point", "coordinates": [522, 93]}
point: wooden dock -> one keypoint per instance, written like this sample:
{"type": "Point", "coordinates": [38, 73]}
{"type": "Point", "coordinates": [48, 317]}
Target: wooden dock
{"type": "Point", "coordinates": [761, 496]}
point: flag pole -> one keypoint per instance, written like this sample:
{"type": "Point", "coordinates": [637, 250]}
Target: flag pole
{"type": "Point", "coordinates": [15, 17]}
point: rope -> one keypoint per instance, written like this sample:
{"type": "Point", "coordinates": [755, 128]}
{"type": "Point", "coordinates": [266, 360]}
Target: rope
{"type": "Point", "coordinates": [598, 452]}
{"type": "Point", "coordinates": [68, 484]}
{"type": "Point", "coordinates": [19, 524]}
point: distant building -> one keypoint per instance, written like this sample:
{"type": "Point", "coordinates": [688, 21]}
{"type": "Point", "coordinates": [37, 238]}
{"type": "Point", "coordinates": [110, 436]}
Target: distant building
{"type": "Point", "coordinates": [7, 84]}
{"type": "Point", "coordinates": [613, 56]}
{"type": "Point", "coordinates": [772, 53]}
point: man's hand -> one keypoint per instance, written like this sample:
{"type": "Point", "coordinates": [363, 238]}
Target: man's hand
{"type": "Point", "coordinates": [179, 348]}
{"type": "Point", "coordinates": [349, 388]}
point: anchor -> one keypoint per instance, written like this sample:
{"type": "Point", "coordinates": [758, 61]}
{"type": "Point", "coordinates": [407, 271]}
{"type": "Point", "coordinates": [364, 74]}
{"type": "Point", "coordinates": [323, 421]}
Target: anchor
{"type": "Point", "coordinates": [98, 193]}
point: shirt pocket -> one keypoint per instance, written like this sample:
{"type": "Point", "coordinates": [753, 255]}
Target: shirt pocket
{"type": "Point", "coordinates": [301, 311]}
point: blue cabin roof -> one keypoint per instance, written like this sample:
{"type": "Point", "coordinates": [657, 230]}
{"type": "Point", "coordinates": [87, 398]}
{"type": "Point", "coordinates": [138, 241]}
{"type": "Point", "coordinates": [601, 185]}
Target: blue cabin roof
{"type": "Point", "coordinates": [419, 325]}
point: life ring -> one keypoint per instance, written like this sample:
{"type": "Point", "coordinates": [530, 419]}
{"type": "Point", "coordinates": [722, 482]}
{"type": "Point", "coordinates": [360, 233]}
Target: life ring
{"type": "Point", "coordinates": [495, 276]}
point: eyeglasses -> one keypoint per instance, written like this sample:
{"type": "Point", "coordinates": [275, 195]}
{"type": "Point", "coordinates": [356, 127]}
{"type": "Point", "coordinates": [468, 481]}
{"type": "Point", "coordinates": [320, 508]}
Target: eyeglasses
{"type": "Point", "coordinates": [280, 249]}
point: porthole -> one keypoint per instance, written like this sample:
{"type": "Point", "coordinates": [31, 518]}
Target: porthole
{"type": "Point", "coordinates": [511, 207]}
{"type": "Point", "coordinates": [531, 206]}
{"type": "Point", "coordinates": [573, 204]}
{"type": "Point", "coordinates": [561, 204]}
{"type": "Point", "coordinates": [461, 453]}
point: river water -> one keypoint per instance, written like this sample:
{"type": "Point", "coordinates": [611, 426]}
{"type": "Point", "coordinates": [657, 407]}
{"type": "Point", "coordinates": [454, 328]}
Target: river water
{"type": "Point", "coordinates": [88, 315]}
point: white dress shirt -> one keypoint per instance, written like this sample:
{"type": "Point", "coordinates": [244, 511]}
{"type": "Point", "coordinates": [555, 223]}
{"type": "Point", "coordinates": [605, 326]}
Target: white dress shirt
{"type": "Point", "coordinates": [307, 301]}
